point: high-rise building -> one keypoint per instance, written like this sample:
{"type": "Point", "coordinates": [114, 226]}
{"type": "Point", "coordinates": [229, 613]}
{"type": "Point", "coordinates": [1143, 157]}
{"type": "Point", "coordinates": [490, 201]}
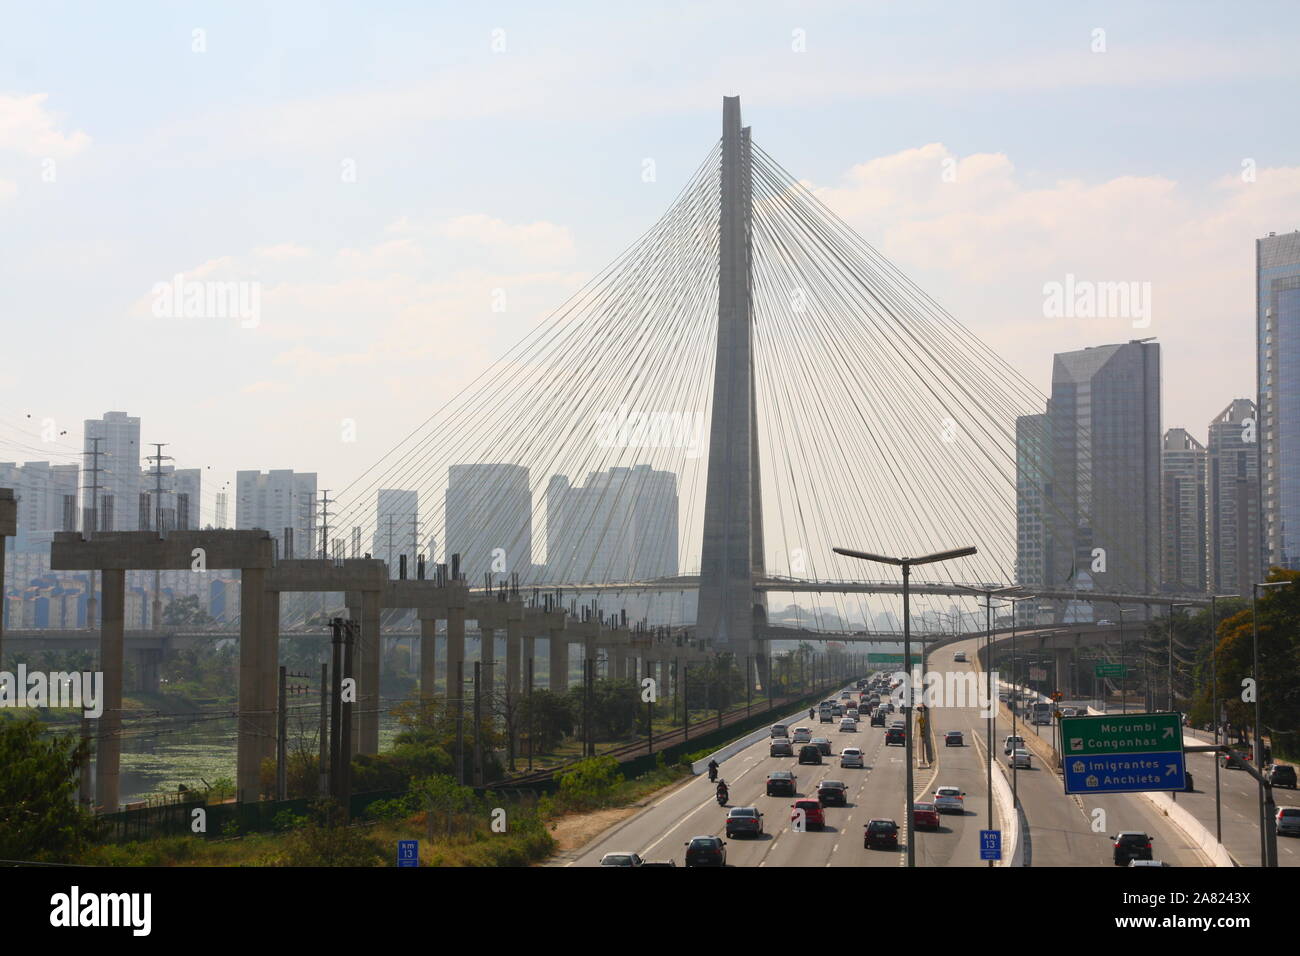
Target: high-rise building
{"type": "Point", "coordinates": [180, 498]}
{"type": "Point", "coordinates": [1033, 490]}
{"type": "Point", "coordinates": [1183, 513]}
{"type": "Point", "coordinates": [1103, 515]}
{"type": "Point", "coordinates": [489, 521]}
{"type": "Point", "coordinates": [118, 478]}
{"type": "Point", "coordinates": [223, 506]}
{"type": "Point", "coordinates": [47, 501]}
{"type": "Point", "coordinates": [1277, 333]}
{"type": "Point", "coordinates": [279, 500]}
{"type": "Point", "coordinates": [620, 526]}
{"type": "Point", "coordinates": [397, 529]}
{"type": "Point", "coordinates": [1233, 540]}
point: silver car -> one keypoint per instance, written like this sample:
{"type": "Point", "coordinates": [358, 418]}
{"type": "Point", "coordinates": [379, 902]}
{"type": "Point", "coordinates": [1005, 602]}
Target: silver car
{"type": "Point", "coordinates": [949, 800]}
{"type": "Point", "coordinates": [851, 757]}
{"type": "Point", "coordinates": [1020, 758]}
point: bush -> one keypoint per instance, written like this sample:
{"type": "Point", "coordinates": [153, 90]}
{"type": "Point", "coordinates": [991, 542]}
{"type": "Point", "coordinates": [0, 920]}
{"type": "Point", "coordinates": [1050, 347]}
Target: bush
{"type": "Point", "coordinates": [590, 783]}
{"type": "Point", "coordinates": [329, 844]}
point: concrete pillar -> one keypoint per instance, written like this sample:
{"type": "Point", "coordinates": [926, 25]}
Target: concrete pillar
{"type": "Point", "coordinates": [111, 645]}
{"type": "Point", "coordinates": [559, 665]}
{"type": "Point", "coordinates": [147, 676]}
{"type": "Point", "coordinates": [455, 655]}
{"type": "Point", "coordinates": [1062, 655]}
{"type": "Point", "coordinates": [269, 668]}
{"type": "Point", "coordinates": [368, 674]}
{"type": "Point", "coordinates": [618, 660]}
{"type": "Point", "coordinates": [514, 636]}
{"type": "Point", "coordinates": [428, 662]}
{"type": "Point", "coordinates": [528, 653]}
{"type": "Point", "coordinates": [252, 624]}
{"type": "Point", "coordinates": [487, 655]}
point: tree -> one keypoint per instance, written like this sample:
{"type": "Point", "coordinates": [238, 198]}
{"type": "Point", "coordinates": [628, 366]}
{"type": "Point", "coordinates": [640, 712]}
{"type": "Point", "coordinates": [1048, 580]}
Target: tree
{"type": "Point", "coordinates": [39, 816]}
{"type": "Point", "coordinates": [548, 716]}
{"type": "Point", "coordinates": [185, 612]}
{"type": "Point", "coordinates": [590, 782]}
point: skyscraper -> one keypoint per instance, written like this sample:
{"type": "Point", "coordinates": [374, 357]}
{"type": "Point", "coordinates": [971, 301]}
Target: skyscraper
{"type": "Point", "coordinates": [1183, 518]}
{"type": "Point", "coordinates": [620, 526]}
{"type": "Point", "coordinates": [1033, 490]}
{"type": "Point", "coordinates": [489, 521]}
{"type": "Point", "coordinates": [1277, 335]}
{"type": "Point", "coordinates": [1103, 516]}
{"type": "Point", "coordinates": [119, 461]}
{"type": "Point", "coordinates": [47, 501]}
{"type": "Point", "coordinates": [278, 500]}
{"type": "Point", "coordinates": [180, 502]}
{"type": "Point", "coordinates": [1233, 538]}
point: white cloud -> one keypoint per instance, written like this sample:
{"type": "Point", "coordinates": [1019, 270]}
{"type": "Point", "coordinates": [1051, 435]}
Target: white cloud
{"type": "Point", "coordinates": [27, 127]}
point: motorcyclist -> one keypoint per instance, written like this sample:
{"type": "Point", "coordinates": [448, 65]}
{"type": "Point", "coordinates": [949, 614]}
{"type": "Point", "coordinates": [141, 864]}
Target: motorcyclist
{"type": "Point", "coordinates": [811, 713]}
{"type": "Point", "coordinates": [713, 770]}
{"type": "Point", "coordinates": [722, 791]}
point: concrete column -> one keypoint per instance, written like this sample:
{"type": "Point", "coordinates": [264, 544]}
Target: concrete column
{"type": "Point", "coordinates": [514, 635]}
{"type": "Point", "coordinates": [528, 652]}
{"type": "Point", "coordinates": [618, 662]}
{"type": "Point", "coordinates": [455, 654]}
{"type": "Point", "coordinates": [146, 661]}
{"type": "Point", "coordinates": [1062, 655]}
{"type": "Point", "coordinates": [428, 662]}
{"type": "Point", "coordinates": [559, 665]}
{"type": "Point", "coordinates": [487, 655]}
{"type": "Point", "coordinates": [368, 674]}
{"type": "Point", "coordinates": [111, 644]}
{"type": "Point", "coordinates": [269, 669]}
{"type": "Point", "coordinates": [252, 623]}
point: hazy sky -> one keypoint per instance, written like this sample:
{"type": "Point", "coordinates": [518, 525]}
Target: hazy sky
{"type": "Point", "coordinates": [380, 169]}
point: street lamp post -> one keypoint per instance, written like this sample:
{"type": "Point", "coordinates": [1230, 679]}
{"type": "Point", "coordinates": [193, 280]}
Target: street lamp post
{"type": "Point", "coordinates": [1123, 667]}
{"type": "Point", "coordinates": [1169, 692]}
{"type": "Point", "coordinates": [1015, 776]}
{"type": "Point", "coordinates": [1267, 835]}
{"type": "Point", "coordinates": [906, 565]}
{"type": "Point", "coordinates": [989, 594]}
{"type": "Point", "coordinates": [1214, 710]}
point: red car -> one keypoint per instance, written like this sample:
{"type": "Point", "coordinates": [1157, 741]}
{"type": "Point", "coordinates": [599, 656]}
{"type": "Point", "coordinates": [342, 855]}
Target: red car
{"type": "Point", "coordinates": [925, 816]}
{"type": "Point", "coordinates": [813, 817]}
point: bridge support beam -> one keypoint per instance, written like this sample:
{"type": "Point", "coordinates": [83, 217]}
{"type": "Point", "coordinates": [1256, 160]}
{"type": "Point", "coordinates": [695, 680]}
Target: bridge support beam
{"type": "Point", "coordinates": [487, 655]}
{"type": "Point", "coordinates": [252, 709]}
{"type": "Point", "coordinates": [1063, 656]}
{"type": "Point", "coordinates": [111, 651]}
{"type": "Point", "coordinates": [147, 661]}
{"type": "Point", "coordinates": [558, 668]}
{"type": "Point", "coordinates": [514, 635]}
{"type": "Point", "coordinates": [456, 658]}
{"type": "Point", "coordinates": [269, 667]}
{"type": "Point", "coordinates": [428, 659]}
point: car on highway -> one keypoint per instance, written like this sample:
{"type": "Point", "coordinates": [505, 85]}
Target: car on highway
{"type": "Point", "coordinates": [848, 724]}
{"type": "Point", "coordinates": [878, 718]}
{"type": "Point", "coordinates": [802, 735]}
{"type": "Point", "coordinates": [880, 833]}
{"type": "Point", "coordinates": [837, 711]}
{"type": "Point", "coordinates": [1236, 760]}
{"type": "Point", "coordinates": [1287, 821]}
{"type": "Point", "coordinates": [810, 811]}
{"type": "Point", "coordinates": [780, 747]}
{"type": "Point", "coordinates": [959, 657]}
{"type": "Point", "coordinates": [659, 863]}
{"type": "Point", "coordinates": [833, 792]}
{"type": "Point", "coordinates": [706, 851]}
{"type": "Point", "coordinates": [1131, 845]}
{"type": "Point", "coordinates": [1019, 758]}
{"type": "Point", "coordinates": [826, 717]}
{"type": "Point", "coordinates": [1105, 623]}
{"type": "Point", "coordinates": [1012, 742]}
{"type": "Point", "coordinates": [782, 782]}
{"type": "Point", "coordinates": [823, 744]}
{"type": "Point", "coordinates": [896, 735]}
{"type": "Point", "coordinates": [779, 730]}
{"type": "Point", "coordinates": [810, 753]}
{"type": "Point", "coordinates": [1147, 863]}
{"type": "Point", "coordinates": [953, 738]}
{"type": "Point", "coordinates": [851, 757]}
{"type": "Point", "coordinates": [1281, 775]}
{"type": "Point", "coordinates": [925, 816]}
{"type": "Point", "coordinates": [744, 820]}
{"type": "Point", "coordinates": [949, 800]}
{"type": "Point", "coordinates": [1069, 712]}
{"type": "Point", "coordinates": [887, 706]}
{"type": "Point", "coordinates": [851, 714]}
{"type": "Point", "coordinates": [621, 859]}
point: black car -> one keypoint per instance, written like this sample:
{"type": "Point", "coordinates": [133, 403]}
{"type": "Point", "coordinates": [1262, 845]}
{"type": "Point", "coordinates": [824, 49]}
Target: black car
{"type": "Point", "coordinates": [895, 735]}
{"type": "Point", "coordinates": [744, 820]}
{"type": "Point", "coordinates": [1281, 775]}
{"type": "Point", "coordinates": [1131, 845]}
{"type": "Point", "coordinates": [781, 782]}
{"type": "Point", "coordinates": [706, 851]}
{"type": "Point", "coordinates": [953, 738]}
{"type": "Point", "coordinates": [810, 753]}
{"type": "Point", "coordinates": [822, 744]}
{"type": "Point", "coordinates": [881, 833]}
{"type": "Point", "coordinates": [833, 792]}
{"type": "Point", "coordinates": [877, 718]}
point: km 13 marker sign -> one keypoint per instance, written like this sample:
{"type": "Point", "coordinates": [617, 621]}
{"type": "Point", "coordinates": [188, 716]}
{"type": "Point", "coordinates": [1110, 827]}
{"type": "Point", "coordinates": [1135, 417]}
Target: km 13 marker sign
{"type": "Point", "coordinates": [1123, 753]}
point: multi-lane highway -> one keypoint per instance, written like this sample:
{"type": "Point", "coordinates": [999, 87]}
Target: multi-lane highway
{"type": "Point", "coordinates": [1063, 830]}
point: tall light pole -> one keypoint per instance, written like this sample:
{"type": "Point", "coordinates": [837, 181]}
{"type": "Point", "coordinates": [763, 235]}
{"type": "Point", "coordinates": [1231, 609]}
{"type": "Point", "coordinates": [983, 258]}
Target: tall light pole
{"type": "Point", "coordinates": [1266, 811]}
{"type": "Point", "coordinates": [1214, 707]}
{"type": "Point", "coordinates": [1015, 776]}
{"type": "Point", "coordinates": [1169, 692]}
{"type": "Point", "coordinates": [989, 595]}
{"type": "Point", "coordinates": [1123, 667]}
{"type": "Point", "coordinates": [906, 565]}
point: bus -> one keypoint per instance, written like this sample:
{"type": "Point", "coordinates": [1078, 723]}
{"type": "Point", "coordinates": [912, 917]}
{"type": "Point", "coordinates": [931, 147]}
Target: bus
{"type": "Point", "coordinates": [1040, 713]}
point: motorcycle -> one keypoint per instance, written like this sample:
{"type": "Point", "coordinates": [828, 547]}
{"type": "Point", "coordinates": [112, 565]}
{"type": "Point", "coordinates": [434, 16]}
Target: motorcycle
{"type": "Point", "coordinates": [713, 774]}
{"type": "Point", "coordinates": [722, 798]}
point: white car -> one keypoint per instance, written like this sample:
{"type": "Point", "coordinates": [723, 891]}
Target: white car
{"type": "Point", "coordinates": [851, 757]}
{"type": "Point", "coordinates": [848, 725]}
{"type": "Point", "coordinates": [1012, 742]}
{"type": "Point", "coordinates": [949, 800]}
{"type": "Point", "coordinates": [802, 735]}
{"type": "Point", "coordinates": [1020, 758]}
{"type": "Point", "coordinates": [778, 730]}
{"type": "Point", "coordinates": [959, 657]}
{"type": "Point", "coordinates": [624, 858]}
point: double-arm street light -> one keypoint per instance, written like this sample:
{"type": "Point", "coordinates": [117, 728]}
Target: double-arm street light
{"type": "Point", "coordinates": [1267, 836]}
{"type": "Point", "coordinates": [906, 565]}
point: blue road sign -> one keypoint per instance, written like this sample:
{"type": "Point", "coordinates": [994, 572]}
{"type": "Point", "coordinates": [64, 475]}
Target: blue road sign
{"type": "Point", "coordinates": [990, 844]}
{"type": "Point", "coordinates": [408, 852]}
{"type": "Point", "coordinates": [1125, 773]}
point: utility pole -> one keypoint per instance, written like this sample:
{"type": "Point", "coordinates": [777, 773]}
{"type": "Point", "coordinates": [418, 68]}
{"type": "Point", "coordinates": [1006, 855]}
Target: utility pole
{"type": "Point", "coordinates": [531, 662]}
{"type": "Point", "coordinates": [323, 788]}
{"type": "Point", "coordinates": [478, 726]}
{"type": "Point", "coordinates": [325, 502]}
{"type": "Point", "coordinates": [157, 458]}
{"type": "Point", "coordinates": [281, 730]}
{"type": "Point", "coordinates": [460, 724]}
{"type": "Point", "coordinates": [90, 524]}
